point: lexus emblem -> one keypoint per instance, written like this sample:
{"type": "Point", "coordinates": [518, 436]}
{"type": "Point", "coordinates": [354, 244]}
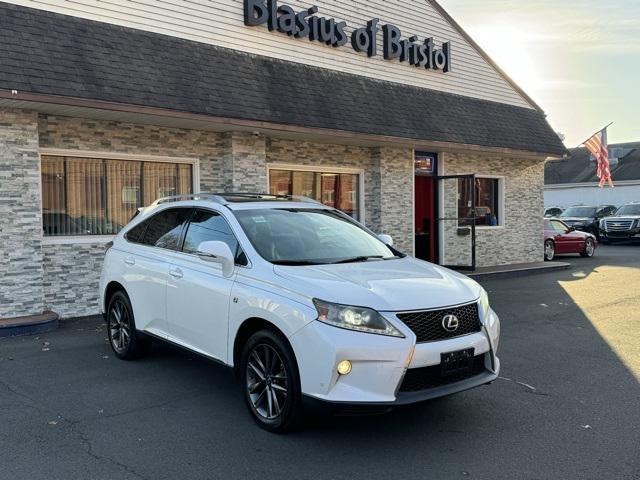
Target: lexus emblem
{"type": "Point", "coordinates": [450, 323]}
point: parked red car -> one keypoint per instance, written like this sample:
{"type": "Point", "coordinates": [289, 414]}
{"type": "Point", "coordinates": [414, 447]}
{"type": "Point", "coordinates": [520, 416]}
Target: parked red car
{"type": "Point", "coordinates": [560, 238]}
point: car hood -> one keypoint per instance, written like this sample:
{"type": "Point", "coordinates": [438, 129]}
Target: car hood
{"type": "Point", "coordinates": [623, 218]}
{"type": "Point", "coordinates": [391, 285]}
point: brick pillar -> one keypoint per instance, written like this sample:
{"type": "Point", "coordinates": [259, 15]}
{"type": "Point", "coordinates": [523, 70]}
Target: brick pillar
{"type": "Point", "coordinates": [245, 162]}
{"type": "Point", "coordinates": [393, 171]}
{"type": "Point", "coordinates": [21, 272]}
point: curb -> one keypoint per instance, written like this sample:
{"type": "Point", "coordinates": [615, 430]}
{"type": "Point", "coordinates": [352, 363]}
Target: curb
{"type": "Point", "coordinates": [520, 272]}
{"type": "Point", "coordinates": [29, 325]}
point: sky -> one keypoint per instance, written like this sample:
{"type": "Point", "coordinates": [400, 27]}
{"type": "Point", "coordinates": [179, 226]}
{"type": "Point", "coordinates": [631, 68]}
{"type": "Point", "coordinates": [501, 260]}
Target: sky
{"type": "Point", "coordinates": [578, 59]}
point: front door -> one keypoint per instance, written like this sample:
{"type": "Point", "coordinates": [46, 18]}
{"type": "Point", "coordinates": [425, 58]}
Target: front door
{"type": "Point", "coordinates": [198, 294]}
{"type": "Point", "coordinates": [424, 218]}
{"type": "Point", "coordinates": [424, 204]}
{"type": "Point", "coordinates": [456, 221]}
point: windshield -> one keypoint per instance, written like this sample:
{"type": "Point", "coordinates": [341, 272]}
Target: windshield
{"type": "Point", "coordinates": [310, 237]}
{"type": "Point", "coordinates": [579, 212]}
{"type": "Point", "coordinates": [629, 210]}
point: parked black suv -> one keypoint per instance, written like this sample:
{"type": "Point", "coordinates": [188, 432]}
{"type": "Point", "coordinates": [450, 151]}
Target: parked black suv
{"type": "Point", "coordinates": [624, 225]}
{"type": "Point", "coordinates": [587, 218]}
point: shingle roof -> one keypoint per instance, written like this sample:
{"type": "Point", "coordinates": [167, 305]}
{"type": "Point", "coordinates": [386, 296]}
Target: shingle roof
{"type": "Point", "coordinates": [578, 167]}
{"type": "Point", "coordinates": [49, 53]}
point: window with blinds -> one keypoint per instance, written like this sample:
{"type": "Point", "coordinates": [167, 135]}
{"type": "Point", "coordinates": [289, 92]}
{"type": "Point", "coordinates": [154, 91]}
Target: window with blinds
{"type": "Point", "coordinates": [91, 196]}
{"type": "Point", "coordinates": [337, 190]}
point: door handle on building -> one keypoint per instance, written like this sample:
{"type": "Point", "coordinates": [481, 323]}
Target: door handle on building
{"type": "Point", "coordinates": [176, 273]}
{"type": "Point", "coordinates": [130, 261]}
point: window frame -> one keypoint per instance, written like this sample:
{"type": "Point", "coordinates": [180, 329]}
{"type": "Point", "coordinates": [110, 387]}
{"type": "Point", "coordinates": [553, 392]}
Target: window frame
{"type": "Point", "coordinates": [107, 155]}
{"type": "Point", "coordinates": [325, 169]}
{"type": "Point", "coordinates": [501, 202]}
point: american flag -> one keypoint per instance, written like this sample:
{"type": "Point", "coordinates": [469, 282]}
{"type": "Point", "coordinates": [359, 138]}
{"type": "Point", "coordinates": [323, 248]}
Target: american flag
{"type": "Point", "coordinates": [598, 146]}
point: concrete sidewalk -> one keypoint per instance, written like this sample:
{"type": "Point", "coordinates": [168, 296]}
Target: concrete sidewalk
{"type": "Point", "coordinates": [517, 269]}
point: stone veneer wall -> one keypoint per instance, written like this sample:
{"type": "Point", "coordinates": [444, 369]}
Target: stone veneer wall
{"type": "Point", "coordinates": [395, 169]}
{"type": "Point", "coordinates": [521, 238]}
{"type": "Point", "coordinates": [21, 291]}
{"type": "Point", "coordinates": [41, 274]}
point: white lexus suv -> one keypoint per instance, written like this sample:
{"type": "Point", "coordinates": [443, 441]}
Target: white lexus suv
{"type": "Point", "coordinates": [307, 305]}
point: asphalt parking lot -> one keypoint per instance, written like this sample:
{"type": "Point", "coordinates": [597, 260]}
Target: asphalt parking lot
{"type": "Point", "coordinates": [566, 405]}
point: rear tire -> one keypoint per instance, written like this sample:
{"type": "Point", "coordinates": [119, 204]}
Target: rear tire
{"type": "Point", "coordinates": [126, 342]}
{"type": "Point", "coordinates": [549, 250]}
{"type": "Point", "coordinates": [270, 382]}
{"type": "Point", "coordinates": [589, 248]}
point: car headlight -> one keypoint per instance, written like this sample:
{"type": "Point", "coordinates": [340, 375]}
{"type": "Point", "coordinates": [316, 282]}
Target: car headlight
{"type": "Point", "coordinates": [638, 223]}
{"type": "Point", "coordinates": [602, 224]}
{"type": "Point", "coordinates": [355, 318]}
{"type": "Point", "coordinates": [483, 303]}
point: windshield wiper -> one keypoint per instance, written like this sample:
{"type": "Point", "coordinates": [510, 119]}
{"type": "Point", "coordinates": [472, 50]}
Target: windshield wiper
{"type": "Point", "coordinates": [362, 258]}
{"type": "Point", "coordinates": [295, 263]}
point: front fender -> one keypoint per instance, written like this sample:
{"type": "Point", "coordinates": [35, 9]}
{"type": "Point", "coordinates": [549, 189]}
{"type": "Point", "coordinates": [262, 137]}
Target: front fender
{"type": "Point", "coordinates": [289, 316]}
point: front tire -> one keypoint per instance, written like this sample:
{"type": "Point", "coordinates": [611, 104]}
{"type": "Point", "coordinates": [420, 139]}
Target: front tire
{"type": "Point", "coordinates": [549, 250]}
{"type": "Point", "coordinates": [589, 248]}
{"type": "Point", "coordinates": [270, 382]}
{"type": "Point", "coordinates": [124, 339]}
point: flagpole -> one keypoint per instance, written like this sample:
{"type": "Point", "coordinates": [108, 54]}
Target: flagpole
{"type": "Point", "coordinates": [589, 138]}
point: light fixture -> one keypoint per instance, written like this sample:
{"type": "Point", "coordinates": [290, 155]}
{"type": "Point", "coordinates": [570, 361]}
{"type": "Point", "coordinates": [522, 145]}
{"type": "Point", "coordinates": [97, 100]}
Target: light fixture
{"type": "Point", "coordinates": [344, 367]}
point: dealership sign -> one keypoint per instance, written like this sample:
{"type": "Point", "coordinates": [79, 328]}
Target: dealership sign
{"type": "Point", "coordinates": [305, 24]}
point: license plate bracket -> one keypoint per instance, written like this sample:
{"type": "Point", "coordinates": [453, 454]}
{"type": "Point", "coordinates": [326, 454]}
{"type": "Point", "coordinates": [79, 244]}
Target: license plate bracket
{"type": "Point", "coordinates": [454, 363]}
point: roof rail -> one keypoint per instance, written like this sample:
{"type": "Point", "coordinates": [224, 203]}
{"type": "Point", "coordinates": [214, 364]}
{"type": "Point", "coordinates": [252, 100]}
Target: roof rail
{"type": "Point", "coordinates": [190, 196]}
{"type": "Point", "coordinates": [221, 197]}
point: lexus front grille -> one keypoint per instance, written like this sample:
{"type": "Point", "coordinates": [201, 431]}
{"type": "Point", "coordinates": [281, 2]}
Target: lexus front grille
{"type": "Point", "coordinates": [428, 325]}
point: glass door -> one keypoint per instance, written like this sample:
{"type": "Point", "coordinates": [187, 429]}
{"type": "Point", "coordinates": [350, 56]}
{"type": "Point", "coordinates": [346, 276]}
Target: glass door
{"type": "Point", "coordinates": [456, 221]}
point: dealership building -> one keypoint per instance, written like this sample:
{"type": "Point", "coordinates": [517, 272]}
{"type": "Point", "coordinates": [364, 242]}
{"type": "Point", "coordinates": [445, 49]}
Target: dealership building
{"type": "Point", "coordinates": [385, 109]}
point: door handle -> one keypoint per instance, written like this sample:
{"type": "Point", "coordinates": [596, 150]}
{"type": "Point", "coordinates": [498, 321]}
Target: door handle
{"type": "Point", "coordinates": [130, 261]}
{"type": "Point", "coordinates": [176, 273]}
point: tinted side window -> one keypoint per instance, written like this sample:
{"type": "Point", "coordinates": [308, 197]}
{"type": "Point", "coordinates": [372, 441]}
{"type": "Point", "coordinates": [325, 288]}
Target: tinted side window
{"type": "Point", "coordinates": [207, 226]}
{"type": "Point", "coordinates": [165, 228]}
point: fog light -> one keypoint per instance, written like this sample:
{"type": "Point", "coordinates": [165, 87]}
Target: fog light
{"type": "Point", "coordinates": [344, 367]}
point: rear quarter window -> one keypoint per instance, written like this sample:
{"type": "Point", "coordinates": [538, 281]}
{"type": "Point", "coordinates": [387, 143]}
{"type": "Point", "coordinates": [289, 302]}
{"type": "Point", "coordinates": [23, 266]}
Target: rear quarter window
{"type": "Point", "coordinates": [136, 234]}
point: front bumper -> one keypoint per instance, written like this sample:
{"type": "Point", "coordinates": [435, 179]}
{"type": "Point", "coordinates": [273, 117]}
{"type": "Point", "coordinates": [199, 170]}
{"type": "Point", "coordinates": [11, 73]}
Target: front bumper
{"type": "Point", "coordinates": [380, 363]}
{"type": "Point", "coordinates": [633, 234]}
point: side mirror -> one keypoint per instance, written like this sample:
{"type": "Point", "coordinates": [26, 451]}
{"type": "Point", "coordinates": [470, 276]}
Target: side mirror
{"type": "Point", "coordinates": [217, 252]}
{"type": "Point", "coordinates": [386, 239]}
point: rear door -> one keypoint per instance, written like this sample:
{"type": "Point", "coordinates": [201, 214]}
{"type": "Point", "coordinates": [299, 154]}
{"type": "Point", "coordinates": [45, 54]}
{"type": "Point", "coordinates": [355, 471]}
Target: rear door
{"type": "Point", "coordinates": [146, 266]}
{"type": "Point", "coordinates": [198, 294]}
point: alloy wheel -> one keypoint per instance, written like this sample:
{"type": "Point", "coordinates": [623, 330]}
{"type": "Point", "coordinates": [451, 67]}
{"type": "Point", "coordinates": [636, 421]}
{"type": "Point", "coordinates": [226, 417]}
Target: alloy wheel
{"type": "Point", "coordinates": [589, 248]}
{"type": "Point", "coordinates": [119, 326]}
{"type": "Point", "coordinates": [267, 382]}
{"type": "Point", "coordinates": [549, 251]}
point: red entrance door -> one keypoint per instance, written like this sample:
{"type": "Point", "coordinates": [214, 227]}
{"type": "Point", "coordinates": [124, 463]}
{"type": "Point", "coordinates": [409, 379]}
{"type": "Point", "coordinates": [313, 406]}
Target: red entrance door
{"type": "Point", "coordinates": [425, 218]}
